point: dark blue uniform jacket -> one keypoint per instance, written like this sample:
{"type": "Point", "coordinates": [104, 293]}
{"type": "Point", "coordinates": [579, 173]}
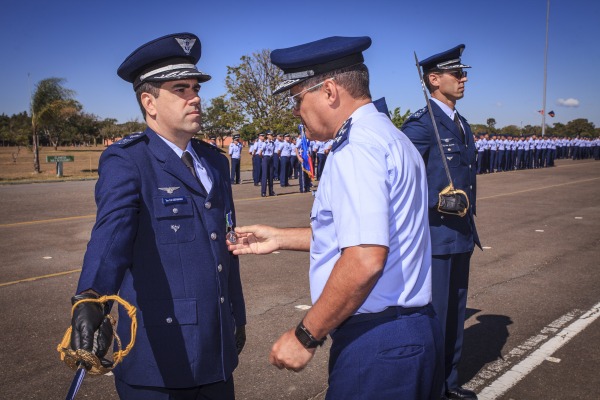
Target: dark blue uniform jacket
{"type": "Point", "coordinates": [159, 241]}
{"type": "Point", "coordinates": [450, 234]}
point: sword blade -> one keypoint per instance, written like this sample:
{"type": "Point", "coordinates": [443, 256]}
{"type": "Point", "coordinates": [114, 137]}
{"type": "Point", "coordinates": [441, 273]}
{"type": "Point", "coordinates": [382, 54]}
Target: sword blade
{"type": "Point", "coordinates": [76, 384]}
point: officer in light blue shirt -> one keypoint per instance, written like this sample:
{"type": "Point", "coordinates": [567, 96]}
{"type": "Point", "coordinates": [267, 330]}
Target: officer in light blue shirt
{"type": "Point", "coordinates": [370, 255]}
{"type": "Point", "coordinates": [284, 160]}
{"type": "Point", "coordinates": [265, 152]}
{"type": "Point", "coordinates": [276, 154]}
{"type": "Point", "coordinates": [235, 152]}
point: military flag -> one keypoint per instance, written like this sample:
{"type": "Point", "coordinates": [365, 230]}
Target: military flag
{"type": "Point", "coordinates": [307, 165]}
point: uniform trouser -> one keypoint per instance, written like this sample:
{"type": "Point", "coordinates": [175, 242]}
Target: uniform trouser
{"type": "Point", "coordinates": [294, 167]}
{"type": "Point", "coordinates": [395, 356]}
{"type": "Point", "coordinates": [284, 165]}
{"type": "Point", "coordinates": [450, 283]}
{"type": "Point", "coordinates": [276, 166]}
{"type": "Point", "coordinates": [267, 175]}
{"type": "Point", "coordinates": [536, 158]}
{"type": "Point", "coordinates": [223, 390]}
{"type": "Point", "coordinates": [500, 161]}
{"type": "Point", "coordinates": [321, 158]}
{"type": "Point", "coordinates": [480, 162]}
{"type": "Point", "coordinates": [492, 160]}
{"type": "Point", "coordinates": [519, 159]}
{"type": "Point", "coordinates": [235, 170]}
{"type": "Point", "coordinates": [304, 182]}
{"type": "Point", "coordinates": [256, 169]}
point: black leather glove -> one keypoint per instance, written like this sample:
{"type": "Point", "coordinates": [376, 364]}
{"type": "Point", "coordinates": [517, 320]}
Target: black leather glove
{"type": "Point", "coordinates": [91, 329]}
{"type": "Point", "coordinates": [240, 337]}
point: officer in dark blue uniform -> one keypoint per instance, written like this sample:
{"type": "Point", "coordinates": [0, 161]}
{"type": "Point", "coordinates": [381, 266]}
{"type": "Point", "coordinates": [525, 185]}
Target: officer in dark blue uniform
{"type": "Point", "coordinates": [164, 207]}
{"type": "Point", "coordinates": [452, 237]}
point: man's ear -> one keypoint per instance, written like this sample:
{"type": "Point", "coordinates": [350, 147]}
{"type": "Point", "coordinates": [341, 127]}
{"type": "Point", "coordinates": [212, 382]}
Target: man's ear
{"type": "Point", "coordinates": [149, 103]}
{"type": "Point", "coordinates": [331, 90]}
{"type": "Point", "coordinates": [434, 81]}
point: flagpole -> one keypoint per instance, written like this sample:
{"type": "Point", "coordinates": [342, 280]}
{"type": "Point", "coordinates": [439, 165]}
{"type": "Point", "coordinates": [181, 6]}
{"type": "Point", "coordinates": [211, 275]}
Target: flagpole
{"type": "Point", "coordinates": [545, 72]}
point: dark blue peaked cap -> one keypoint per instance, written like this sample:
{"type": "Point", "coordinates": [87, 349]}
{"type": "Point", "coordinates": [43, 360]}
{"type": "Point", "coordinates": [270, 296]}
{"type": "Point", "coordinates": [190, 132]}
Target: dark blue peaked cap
{"type": "Point", "coordinates": [307, 60]}
{"type": "Point", "coordinates": [449, 59]}
{"type": "Point", "coordinates": [168, 58]}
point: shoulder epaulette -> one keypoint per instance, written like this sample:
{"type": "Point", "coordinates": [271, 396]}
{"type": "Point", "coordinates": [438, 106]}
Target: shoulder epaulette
{"type": "Point", "coordinates": [342, 136]}
{"type": "Point", "coordinates": [210, 146]}
{"type": "Point", "coordinates": [134, 137]}
{"type": "Point", "coordinates": [417, 114]}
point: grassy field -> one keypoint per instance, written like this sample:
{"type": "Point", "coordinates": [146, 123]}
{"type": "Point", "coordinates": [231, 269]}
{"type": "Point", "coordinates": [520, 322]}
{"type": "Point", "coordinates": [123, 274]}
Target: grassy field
{"type": "Point", "coordinates": [16, 165]}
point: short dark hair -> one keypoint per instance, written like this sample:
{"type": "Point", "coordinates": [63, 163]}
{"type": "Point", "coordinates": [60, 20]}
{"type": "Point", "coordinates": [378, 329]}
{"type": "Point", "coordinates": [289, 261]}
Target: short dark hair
{"type": "Point", "coordinates": [355, 79]}
{"type": "Point", "coordinates": [152, 88]}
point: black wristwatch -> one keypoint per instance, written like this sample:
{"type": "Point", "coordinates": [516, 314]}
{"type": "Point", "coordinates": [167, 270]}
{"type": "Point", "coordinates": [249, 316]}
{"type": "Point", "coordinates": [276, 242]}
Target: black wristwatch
{"type": "Point", "coordinates": [306, 338]}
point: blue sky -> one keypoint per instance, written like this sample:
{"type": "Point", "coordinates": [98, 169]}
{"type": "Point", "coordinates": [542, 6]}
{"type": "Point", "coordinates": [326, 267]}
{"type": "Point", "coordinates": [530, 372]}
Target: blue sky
{"type": "Point", "coordinates": [84, 42]}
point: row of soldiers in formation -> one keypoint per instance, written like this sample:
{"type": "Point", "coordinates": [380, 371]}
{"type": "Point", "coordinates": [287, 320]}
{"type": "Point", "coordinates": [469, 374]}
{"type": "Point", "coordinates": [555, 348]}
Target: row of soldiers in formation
{"type": "Point", "coordinates": [497, 153]}
{"type": "Point", "coordinates": [280, 159]}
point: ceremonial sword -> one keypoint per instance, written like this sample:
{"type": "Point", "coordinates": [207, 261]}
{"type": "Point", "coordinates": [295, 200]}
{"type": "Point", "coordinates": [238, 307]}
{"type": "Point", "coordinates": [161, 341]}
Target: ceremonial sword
{"type": "Point", "coordinates": [77, 381]}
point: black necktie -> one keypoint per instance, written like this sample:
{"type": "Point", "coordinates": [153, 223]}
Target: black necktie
{"type": "Point", "coordinates": [188, 160]}
{"type": "Point", "coordinates": [459, 126]}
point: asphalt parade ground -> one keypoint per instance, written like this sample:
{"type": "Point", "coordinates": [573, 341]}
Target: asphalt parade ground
{"type": "Point", "coordinates": [532, 330]}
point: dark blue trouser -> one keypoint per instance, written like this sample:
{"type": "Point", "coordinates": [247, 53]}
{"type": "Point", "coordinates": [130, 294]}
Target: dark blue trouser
{"type": "Point", "coordinates": [492, 160]}
{"type": "Point", "coordinates": [256, 169]}
{"type": "Point", "coordinates": [284, 165]}
{"type": "Point", "coordinates": [267, 175]}
{"type": "Point", "coordinates": [321, 158]}
{"type": "Point", "coordinates": [449, 286]}
{"type": "Point", "coordinates": [388, 358]}
{"type": "Point", "coordinates": [235, 170]}
{"type": "Point", "coordinates": [223, 390]}
{"type": "Point", "coordinates": [480, 155]}
{"type": "Point", "coordinates": [500, 162]}
{"type": "Point", "coordinates": [276, 166]}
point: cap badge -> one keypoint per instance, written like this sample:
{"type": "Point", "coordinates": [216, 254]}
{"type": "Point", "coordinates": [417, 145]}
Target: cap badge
{"type": "Point", "coordinates": [186, 44]}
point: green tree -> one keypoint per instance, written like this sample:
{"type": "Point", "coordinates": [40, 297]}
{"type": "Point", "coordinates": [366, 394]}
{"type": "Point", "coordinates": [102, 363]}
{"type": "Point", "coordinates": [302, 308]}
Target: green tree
{"type": "Point", "coordinates": [15, 130]}
{"type": "Point", "coordinates": [397, 118]}
{"type": "Point", "coordinates": [250, 86]}
{"type": "Point", "coordinates": [57, 121]}
{"type": "Point", "coordinates": [580, 127]}
{"type": "Point", "coordinates": [529, 130]}
{"type": "Point", "coordinates": [48, 95]}
{"type": "Point", "coordinates": [221, 118]}
{"type": "Point", "coordinates": [491, 123]}
{"type": "Point", "coordinates": [510, 130]}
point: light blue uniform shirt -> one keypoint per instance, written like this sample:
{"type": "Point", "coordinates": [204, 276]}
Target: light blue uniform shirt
{"type": "Point", "coordinates": [286, 149]}
{"type": "Point", "coordinates": [267, 148]}
{"type": "Point", "coordinates": [201, 172]}
{"type": "Point", "coordinates": [374, 191]}
{"type": "Point", "coordinates": [235, 150]}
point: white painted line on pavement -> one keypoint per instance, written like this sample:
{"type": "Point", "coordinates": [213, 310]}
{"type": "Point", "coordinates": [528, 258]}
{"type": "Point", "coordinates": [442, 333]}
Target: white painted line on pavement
{"type": "Point", "coordinates": [520, 370]}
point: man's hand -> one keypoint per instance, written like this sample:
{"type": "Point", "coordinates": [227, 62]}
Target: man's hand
{"type": "Point", "coordinates": [254, 239]}
{"type": "Point", "coordinates": [89, 318]}
{"type": "Point", "coordinates": [289, 353]}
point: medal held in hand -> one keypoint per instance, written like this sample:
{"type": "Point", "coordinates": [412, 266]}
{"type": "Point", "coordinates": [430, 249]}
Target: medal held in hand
{"type": "Point", "coordinates": [231, 235]}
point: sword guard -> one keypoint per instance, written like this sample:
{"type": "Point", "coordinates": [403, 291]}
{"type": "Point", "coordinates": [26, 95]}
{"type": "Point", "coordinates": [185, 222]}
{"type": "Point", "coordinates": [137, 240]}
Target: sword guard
{"type": "Point", "coordinates": [91, 362]}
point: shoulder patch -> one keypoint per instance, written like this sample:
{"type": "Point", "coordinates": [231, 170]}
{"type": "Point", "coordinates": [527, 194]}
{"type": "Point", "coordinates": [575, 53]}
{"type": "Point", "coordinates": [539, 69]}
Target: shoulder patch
{"type": "Point", "coordinates": [342, 135]}
{"type": "Point", "coordinates": [417, 114]}
{"type": "Point", "coordinates": [208, 145]}
{"type": "Point", "coordinates": [134, 137]}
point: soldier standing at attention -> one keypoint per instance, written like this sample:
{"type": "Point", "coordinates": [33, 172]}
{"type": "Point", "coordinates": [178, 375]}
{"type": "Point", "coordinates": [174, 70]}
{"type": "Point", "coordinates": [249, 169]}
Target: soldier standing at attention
{"type": "Point", "coordinates": [235, 152]}
{"type": "Point", "coordinates": [265, 152]}
{"type": "Point", "coordinates": [452, 237]}
{"type": "Point", "coordinates": [164, 207]}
